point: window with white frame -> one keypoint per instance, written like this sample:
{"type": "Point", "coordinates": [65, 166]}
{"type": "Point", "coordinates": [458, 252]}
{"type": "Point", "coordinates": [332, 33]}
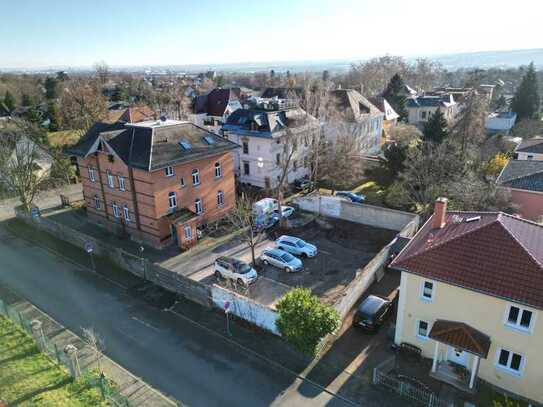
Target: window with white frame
{"type": "Point", "coordinates": [182, 182]}
{"type": "Point", "coordinates": [97, 204]}
{"type": "Point", "coordinates": [220, 199]}
{"type": "Point", "coordinates": [92, 175]}
{"type": "Point", "coordinates": [110, 179]}
{"type": "Point", "coordinates": [510, 361]}
{"type": "Point", "coordinates": [116, 211]}
{"type": "Point", "coordinates": [168, 171]}
{"type": "Point", "coordinates": [198, 206]}
{"type": "Point", "coordinates": [427, 290]}
{"type": "Point", "coordinates": [518, 317]}
{"type": "Point", "coordinates": [245, 145]}
{"type": "Point", "coordinates": [188, 232]}
{"type": "Point", "coordinates": [195, 177]}
{"type": "Point", "coordinates": [121, 183]}
{"type": "Point", "coordinates": [172, 200]}
{"type": "Point", "coordinates": [423, 329]}
{"type": "Point", "coordinates": [126, 213]}
{"type": "Point", "coordinates": [218, 170]}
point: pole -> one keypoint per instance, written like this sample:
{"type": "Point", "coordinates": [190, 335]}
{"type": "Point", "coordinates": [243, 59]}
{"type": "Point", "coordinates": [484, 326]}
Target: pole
{"type": "Point", "coordinates": [228, 324]}
{"type": "Point", "coordinates": [92, 262]}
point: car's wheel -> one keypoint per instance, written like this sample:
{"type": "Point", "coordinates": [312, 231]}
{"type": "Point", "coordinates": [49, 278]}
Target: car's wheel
{"type": "Point", "coordinates": [240, 281]}
{"type": "Point", "coordinates": [265, 262]}
{"type": "Point", "coordinates": [218, 275]}
{"type": "Point", "coordinates": [288, 269]}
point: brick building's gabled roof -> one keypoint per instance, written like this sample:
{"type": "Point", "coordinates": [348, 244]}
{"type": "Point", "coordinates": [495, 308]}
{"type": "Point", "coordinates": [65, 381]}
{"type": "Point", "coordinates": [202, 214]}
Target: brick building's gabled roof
{"type": "Point", "coordinates": [216, 102]}
{"type": "Point", "coordinates": [498, 254]}
{"type": "Point", "coordinates": [153, 145]}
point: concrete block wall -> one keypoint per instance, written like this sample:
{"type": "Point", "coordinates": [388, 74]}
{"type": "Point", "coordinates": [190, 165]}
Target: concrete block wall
{"type": "Point", "coordinates": [370, 215]}
{"type": "Point", "coordinates": [245, 308]}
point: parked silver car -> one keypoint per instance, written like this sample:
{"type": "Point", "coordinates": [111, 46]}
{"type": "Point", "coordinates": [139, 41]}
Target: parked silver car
{"type": "Point", "coordinates": [281, 259]}
{"type": "Point", "coordinates": [296, 246]}
{"type": "Point", "coordinates": [234, 269]}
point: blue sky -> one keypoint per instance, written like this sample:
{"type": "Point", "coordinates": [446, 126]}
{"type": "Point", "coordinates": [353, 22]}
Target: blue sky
{"type": "Point", "coordinates": [81, 32]}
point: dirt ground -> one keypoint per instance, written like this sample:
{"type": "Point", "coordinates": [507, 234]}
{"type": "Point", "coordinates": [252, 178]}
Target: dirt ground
{"type": "Point", "coordinates": [344, 248]}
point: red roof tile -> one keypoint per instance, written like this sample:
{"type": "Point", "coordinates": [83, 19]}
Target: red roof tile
{"type": "Point", "coordinates": [462, 336]}
{"type": "Point", "coordinates": [498, 254]}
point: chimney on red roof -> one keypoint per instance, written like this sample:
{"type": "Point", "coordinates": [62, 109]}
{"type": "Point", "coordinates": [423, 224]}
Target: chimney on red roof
{"type": "Point", "coordinates": [440, 213]}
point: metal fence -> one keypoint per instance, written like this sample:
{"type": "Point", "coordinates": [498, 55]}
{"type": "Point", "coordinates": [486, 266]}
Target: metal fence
{"type": "Point", "coordinates": [66, 356]}
{"type": "Point", "coordinates": [408, 391]}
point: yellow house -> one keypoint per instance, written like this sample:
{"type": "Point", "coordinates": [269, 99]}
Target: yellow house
{"type": "Point", "coordinates": [471, 293]}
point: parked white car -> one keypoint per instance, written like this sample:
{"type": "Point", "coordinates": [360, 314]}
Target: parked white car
{"type": "Point", "coordinates": [281, 259]}
{"type": "Point", "coordinates": [296, 246]}
{"type": "Point", "coordinates": [286, 211]}
{"type": "Point", "coordinates": [234, 269]}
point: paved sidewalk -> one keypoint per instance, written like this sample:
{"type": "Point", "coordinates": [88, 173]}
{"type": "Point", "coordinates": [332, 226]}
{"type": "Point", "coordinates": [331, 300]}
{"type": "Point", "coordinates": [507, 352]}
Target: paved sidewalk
{"type": "Point", "coordinates": [134, 389]}
{"type": "Point", "coordinates": [45, 200]}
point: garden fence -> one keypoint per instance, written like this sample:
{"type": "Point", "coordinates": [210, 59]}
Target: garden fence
{"type": "Point", "coordinates": [63, 357]}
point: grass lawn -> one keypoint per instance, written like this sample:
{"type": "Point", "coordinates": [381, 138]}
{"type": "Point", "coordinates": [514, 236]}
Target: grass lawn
{"type": "Point", "coordinates": [30, 378]}
{"type": "Point", "coordinates": [64, 138]}
{"type": "Point", "coordinates": [487, 396]}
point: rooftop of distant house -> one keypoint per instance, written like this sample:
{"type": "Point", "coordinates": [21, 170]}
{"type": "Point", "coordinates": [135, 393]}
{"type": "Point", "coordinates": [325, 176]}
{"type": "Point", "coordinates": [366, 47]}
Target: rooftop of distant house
{"type": "Point", "coordinates": [444, 100]}
{"type": "Point", "coordinates": [132, 114]}
{"type": "Point", "coordinates": [259, 121]}
{"type": "Point", "coordinates": [533, 145]}
{"type": "Point", "coordinates": [487, 252]}
{"type": "Point", "coordinates": [358, 106]}
{"type": "Point", "coordinates": [523, 174]}
{"type": "Point", "coordinates": [216, 101]}
{"type": "Point", "coordinates": [381, 103]}
{"type": "Point", "coordinates": [152, 145]}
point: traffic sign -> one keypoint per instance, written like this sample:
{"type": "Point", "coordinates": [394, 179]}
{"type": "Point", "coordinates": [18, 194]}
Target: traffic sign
{"type": "Point", "coordinates": [226, 305]}
{"type": "Point", "coordinates": [35, 212]}
{"type": "Point", "coordinates": [89, 247]}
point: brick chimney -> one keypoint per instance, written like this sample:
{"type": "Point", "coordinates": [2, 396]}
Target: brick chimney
{"type": "Point", "coordinates": [440, 213]}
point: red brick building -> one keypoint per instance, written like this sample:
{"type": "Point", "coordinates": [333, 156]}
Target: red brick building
{"type": "Point", "coordinates": [157, 180]}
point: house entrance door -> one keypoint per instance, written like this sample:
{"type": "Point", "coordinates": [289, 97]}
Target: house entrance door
{"type": "Point", "coordinates": [458, 356]}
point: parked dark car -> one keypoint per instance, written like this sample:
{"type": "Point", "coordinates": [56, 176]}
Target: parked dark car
{"type": "Point", "coordinates": [302, 184]}
{"type": "Point", "coordinates": [351, 196]}
{"type": "Point", "coordinates": [372, 313]}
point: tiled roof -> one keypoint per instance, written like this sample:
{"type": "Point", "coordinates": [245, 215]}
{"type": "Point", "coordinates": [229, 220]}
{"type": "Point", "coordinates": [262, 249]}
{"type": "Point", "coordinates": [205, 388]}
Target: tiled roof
{"type": "Point", "coordinates": [382, 104]}
{"type": "Point", "coordinates": [523, 174]}
{"type": "Point", "coordinates": [462, 336]}
{"type": "Point", "coordinates": [357, 104]}
{"type": "Point", "coordinates": [151, 146]}
{"type": "Point", "coordinates": [216, 102]}
{"type": "Point", "coordinates": [498, 254]}
{"type": "Point", "coordinates": [534, 145]}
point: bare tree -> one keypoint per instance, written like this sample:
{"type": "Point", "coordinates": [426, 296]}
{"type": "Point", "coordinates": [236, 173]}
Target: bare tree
{"type": "Point", "coordinates": [469, 130]}
{"type": "Point", "coordinates": [24, 163]}
{"type": "Point", "coordinates": [82, 104]}
{"type": "Point", "coordinates": [243, 218]}
{"type": "Point", "coordinates": [102, 72]}
{"type": "Point", "coordinates": [95, 343]}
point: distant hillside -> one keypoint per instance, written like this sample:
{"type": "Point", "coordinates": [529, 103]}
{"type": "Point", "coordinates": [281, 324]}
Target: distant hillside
{"type": "Point", "coordinates": [484, 59]}
{"type": "Point", "coordinates": [489, 59]}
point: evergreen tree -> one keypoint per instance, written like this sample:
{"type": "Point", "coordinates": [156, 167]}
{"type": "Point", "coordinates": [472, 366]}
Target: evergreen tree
{"type": "Point", "coordinates": [53, 114]}
{"type": "Point", "coordinates": [9, 101]}
{"type": "Point", "coordinates": [395, 95]}
{"type": "Point", "coordinates": [436, 128]}
{"type": "Point", "coordinates": [526, 101]}
{"type": "Point", "coordinates": [26, 100]}
{"type": "Point", "coordinates": [51, 88]}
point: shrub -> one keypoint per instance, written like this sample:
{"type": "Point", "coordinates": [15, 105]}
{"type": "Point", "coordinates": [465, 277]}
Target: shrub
{"type": "Point", "coordinates": [304, 320]}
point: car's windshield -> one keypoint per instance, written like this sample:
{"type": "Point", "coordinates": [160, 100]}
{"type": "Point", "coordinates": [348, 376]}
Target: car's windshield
{"type": "Point", "coordinates": [300, 243]}
{"type": "Point", "coordinates": [243, 268]}
{"type": "Point", "coordinates": [287, 257]}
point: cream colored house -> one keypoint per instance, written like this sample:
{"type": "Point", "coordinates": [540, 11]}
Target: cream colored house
{"type": "Point", "coordinates": [471, 296]}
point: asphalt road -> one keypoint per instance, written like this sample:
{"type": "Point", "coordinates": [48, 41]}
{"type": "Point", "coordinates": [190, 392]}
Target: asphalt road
{"type": "Point", "coordinates": [172, 354]}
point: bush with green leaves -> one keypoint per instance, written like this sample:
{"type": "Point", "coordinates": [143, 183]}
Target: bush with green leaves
{"type": "Point", "coordinates": [303, 320]}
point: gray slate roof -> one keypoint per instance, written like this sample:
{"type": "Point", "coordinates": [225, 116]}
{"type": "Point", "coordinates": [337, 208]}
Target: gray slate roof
{"type": "Point", "coordinates": [534, 145]}
{"type": "Point", "coordinates": [152, 148]}
{"type": "Point", "coordinates": [359, 106]}
{"type": "Point", "coordinates": [523, 174]}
